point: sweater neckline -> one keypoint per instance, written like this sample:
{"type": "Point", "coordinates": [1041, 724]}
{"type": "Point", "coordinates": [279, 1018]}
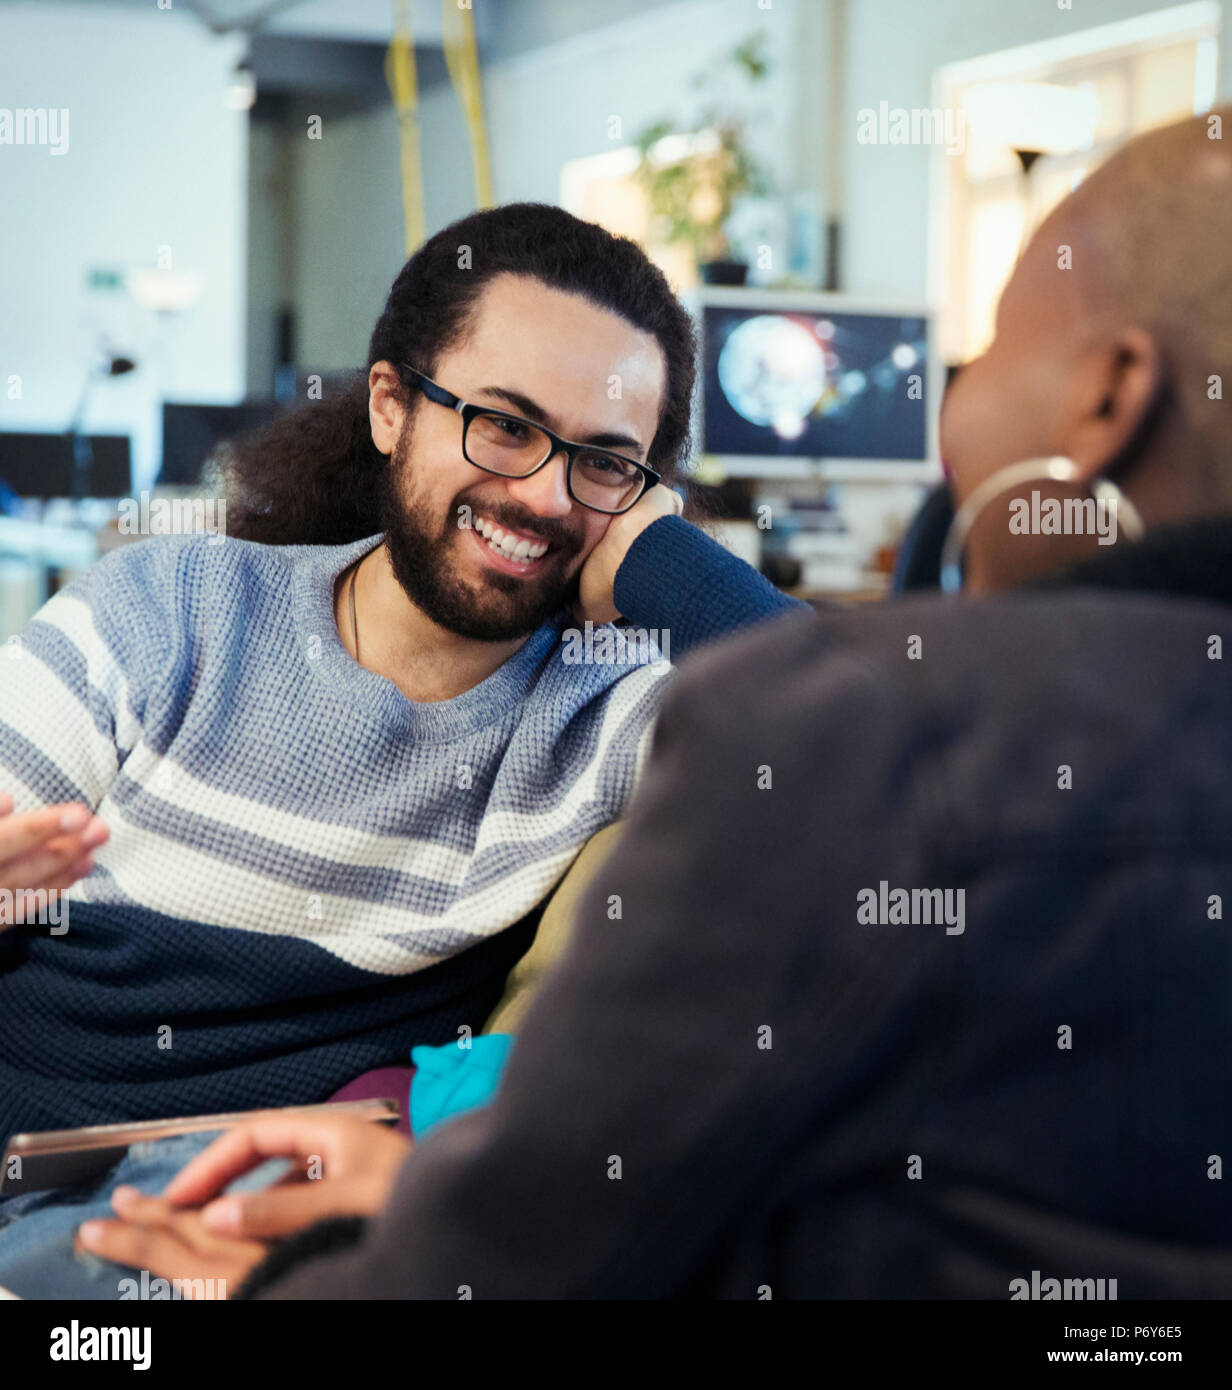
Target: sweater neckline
{"type": "Point", "coordinates": [316, 576]}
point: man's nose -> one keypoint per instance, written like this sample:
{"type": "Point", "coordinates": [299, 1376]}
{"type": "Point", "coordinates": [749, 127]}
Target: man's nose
{"type": "Point", "coordinates": [546, 493]}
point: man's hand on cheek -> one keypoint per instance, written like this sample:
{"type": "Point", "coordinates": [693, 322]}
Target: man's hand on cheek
{"type": "Point", "coordinates": [598, 577]}
{"type": "Point", "coordinates": [172, 1244]}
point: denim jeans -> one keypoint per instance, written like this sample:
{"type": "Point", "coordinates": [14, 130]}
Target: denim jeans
{"type": "Point", "coordinates": [37, 1229]}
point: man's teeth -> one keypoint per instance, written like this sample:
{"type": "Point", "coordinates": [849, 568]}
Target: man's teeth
{"type": "Point", "coordinates": [511, 547]}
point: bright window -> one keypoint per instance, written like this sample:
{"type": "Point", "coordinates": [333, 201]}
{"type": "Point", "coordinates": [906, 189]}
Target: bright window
{"type": "Point", "coordinates": [1132, 77]}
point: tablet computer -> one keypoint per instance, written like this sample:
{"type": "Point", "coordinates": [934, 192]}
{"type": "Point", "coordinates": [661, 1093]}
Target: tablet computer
{"type": "Point", "coordinates": [66, 1157]}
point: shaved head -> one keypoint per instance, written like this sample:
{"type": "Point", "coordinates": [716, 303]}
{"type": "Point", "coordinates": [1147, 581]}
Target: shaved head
{"type": "Point", "coordinates": [1110, 336]}
{"type": "Point", "coordinates": [1155, 223]}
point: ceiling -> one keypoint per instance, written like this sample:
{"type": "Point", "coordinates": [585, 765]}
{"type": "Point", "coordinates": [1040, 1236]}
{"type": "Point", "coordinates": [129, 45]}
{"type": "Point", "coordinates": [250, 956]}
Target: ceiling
{"type": "Point", "coordinates": [502, 27]}
{"type": "Point", "coordinates": [369, 21]}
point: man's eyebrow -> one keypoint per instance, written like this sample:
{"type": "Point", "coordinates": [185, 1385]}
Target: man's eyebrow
{"type": "Point", "coordinates": [533, 411]}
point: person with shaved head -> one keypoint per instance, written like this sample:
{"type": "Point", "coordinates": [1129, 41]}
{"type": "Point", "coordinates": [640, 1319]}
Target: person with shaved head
{"type": "Point", "coordinates": [920, 981]}
{"type": "Point", "coordinates": [1113, 349]}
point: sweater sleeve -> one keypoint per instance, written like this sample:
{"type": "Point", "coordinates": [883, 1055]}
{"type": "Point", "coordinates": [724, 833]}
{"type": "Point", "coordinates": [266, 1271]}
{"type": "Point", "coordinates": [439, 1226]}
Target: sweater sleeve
{"type": "Point", "coordinates": [676, 577]}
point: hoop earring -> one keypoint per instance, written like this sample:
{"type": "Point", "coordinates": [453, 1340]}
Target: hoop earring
{"type": "Point", "coordinates": [1053, 470]}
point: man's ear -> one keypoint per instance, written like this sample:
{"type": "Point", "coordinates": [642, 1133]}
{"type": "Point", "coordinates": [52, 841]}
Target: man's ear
{"type": "Point", "coordinates": [1125, 377]}
{"type": "Point", "coordinates": [385, 413]}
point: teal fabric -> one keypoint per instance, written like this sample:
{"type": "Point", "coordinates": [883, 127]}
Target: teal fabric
{"type": "Point", "coordinates": [453, 1079]}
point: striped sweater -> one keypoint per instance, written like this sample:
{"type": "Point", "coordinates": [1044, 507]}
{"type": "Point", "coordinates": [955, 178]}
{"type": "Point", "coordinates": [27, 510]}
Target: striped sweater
{"type": "Point", "coordinates": [307, 873]}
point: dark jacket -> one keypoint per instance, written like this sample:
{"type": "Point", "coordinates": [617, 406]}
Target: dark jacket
{"type": "Point", "coordinates": [734, 1084]}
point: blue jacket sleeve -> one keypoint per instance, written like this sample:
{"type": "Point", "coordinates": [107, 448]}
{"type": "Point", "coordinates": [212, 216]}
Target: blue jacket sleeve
{"type": "Point", "coordinates": [676, 577]}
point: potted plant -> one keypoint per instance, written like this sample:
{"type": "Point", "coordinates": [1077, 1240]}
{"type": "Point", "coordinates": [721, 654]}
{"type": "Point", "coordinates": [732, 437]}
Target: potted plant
{"type": "Point", "coordinates": [691, 195]}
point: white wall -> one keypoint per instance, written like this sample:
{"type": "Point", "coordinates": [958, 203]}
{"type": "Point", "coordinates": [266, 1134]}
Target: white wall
{"type": "Point", "coordinates": [350, 242]}
{"type": "Point", "coordinates": [543, 107]}
{"type": "Point", "coordinates": [555, 104]}
{"type": "Point", "coordinates": [154, 159]}
{"type": "Point", "coordinates": [448, 170]}
{"type": "Point", "coordinates": [270, 251]}
{"type": "Point", "coordinates": [347, 218]}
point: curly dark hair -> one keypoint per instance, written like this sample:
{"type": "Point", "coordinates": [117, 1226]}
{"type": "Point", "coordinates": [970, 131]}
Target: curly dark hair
{"type": "Point", "coordinates": [313, 476]}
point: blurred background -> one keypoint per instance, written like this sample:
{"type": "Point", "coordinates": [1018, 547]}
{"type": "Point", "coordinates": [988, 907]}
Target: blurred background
{"type": "Point", "coordinates": [203, 205]}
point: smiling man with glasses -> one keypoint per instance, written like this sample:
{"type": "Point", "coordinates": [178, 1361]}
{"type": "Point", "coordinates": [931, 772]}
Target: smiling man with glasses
{"type": "Point", "coordinates": [324, 776]}
{"type": "Point", "coordinates": [510, 554]}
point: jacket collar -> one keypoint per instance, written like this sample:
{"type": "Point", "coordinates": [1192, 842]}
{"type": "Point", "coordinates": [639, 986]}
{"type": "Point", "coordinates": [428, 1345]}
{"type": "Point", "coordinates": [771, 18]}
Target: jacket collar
{"type": "Point", "coordinates": [1192, 559]}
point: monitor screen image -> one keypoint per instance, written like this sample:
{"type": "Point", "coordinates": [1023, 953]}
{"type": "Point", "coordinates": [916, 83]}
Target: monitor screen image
{"type": "Point", "coordinates": [814, 383]}
{"type": "Point", "coordinates": [192, 434]}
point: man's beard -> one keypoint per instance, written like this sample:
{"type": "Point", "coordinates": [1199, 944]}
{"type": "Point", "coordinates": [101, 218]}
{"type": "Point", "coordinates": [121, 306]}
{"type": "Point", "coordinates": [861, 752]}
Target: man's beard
{"type": "Point", "coordinates": [497, 608]}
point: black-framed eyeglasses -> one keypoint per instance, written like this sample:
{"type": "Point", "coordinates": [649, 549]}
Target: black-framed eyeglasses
{"type": "Point", "coordinates": [513, 447]}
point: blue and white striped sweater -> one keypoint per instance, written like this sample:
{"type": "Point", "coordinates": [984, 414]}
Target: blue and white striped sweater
{"type": "Point", "coordinates": [307, 872]}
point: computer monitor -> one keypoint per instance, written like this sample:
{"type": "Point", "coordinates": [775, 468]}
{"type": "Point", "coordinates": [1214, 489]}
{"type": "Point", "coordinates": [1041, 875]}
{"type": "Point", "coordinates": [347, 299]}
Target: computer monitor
{"type": "Point", "coordinates": [797, 384]}
{"type": "Point", "coordinates": [192, 434]}
{"type": "Point", "coordinates": [41, 465]}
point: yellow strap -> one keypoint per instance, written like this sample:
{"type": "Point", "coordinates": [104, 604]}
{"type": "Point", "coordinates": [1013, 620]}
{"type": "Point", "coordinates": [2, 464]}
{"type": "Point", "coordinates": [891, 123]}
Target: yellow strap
{"type": "Point", "coordinates": [462, 58]}
{"type": "Point", "coordinates": [400, 78]}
